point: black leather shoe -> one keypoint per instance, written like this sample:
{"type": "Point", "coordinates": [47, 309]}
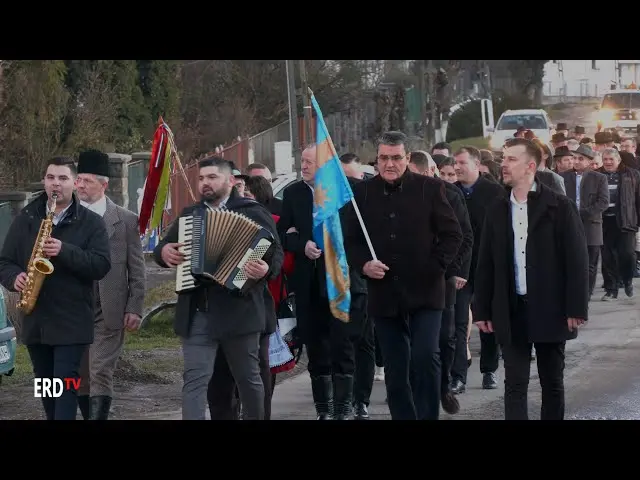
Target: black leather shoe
{"type": "Point", "coordinates": [457, 387]}
{"type": "Point", "coordinates": [360, 412]}
{"type": "Point", "coordinates": [489, 381]}
{"type": "Point", "coordinates": [100, 406]}
{"type": "Point", "coordinates": [628, 289]}
{"type": "Point", "coordinates": [450, 403]}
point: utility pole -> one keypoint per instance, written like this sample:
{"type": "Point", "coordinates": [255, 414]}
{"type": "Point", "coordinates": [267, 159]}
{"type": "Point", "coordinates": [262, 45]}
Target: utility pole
{"type": "Point", "coordinates": [423, 98]}
{"type": "Point", "coordinates": [294, 136]}
{"type": "Point", "coordinates": [306, 104]}
{"type": "Point", "coordinates": [431, 131]}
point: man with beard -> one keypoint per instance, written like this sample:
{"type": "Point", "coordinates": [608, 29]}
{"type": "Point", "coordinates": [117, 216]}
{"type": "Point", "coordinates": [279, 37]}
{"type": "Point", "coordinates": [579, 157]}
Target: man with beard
{"type": "Point", "coordinates": [211, 317]}
{"type": "Point", "coordinates": [532, 281]}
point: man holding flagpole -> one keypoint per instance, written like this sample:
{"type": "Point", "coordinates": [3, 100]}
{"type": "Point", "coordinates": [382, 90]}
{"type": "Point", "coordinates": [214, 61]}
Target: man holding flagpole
{"type": "Point", "coordinates": [330, 307]}
{"type": "Point", "coordinates": [402, 234]}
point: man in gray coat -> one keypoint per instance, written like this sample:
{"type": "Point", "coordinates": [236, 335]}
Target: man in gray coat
{"type": "Point", "coordinates": [590, 192]}
{"type": "Point", "coordinates": [119, 296]}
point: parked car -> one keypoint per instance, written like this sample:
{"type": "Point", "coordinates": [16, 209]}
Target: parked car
{"type": "Point", "coordinates": [535, 120]}
{"type": "Point", "coordinates": [8, 342]}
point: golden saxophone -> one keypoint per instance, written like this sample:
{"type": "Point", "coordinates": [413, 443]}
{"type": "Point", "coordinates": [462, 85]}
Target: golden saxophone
{"type": "Point", "coordinates": [39, 266]}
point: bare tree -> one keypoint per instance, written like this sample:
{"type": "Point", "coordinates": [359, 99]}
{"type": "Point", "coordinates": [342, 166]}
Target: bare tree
{"type": "Point", "coordinates": [32, 116]}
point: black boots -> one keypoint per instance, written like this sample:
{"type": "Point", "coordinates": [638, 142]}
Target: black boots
{"type": "Point", "coordinates": [84, 403]}
{"type": "Point", "coordinates": [342, 396]}
{"type": "Point", "coordinates": [100, 406]}
{"type": "Point", "coordinates": [322, 390]}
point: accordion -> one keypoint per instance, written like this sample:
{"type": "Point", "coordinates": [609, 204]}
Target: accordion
{"type": "Point", "coordinates": [217, 244]}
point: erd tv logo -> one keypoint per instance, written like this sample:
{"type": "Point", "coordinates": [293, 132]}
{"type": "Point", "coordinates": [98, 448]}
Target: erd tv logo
{"type": "Point", "coordinates": [53, 387]}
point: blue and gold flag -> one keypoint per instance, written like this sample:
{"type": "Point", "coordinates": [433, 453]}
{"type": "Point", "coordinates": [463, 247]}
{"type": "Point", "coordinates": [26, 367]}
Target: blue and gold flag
{"type": "Point", "coordinates": [331, 192]}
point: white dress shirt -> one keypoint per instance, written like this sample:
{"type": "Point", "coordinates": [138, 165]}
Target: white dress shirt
{"type": "Point", "coordinates": [520, 225]}
{"type": "Point", "coordinates": [57, 218]}
{"type": "Point", "coordinates": [99, 207]}
{"type": "Point", "coordinates": [578, 180]}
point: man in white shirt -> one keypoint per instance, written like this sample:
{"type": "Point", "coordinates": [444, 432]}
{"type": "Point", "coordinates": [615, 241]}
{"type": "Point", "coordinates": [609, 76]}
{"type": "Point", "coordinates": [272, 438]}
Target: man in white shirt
{"type": "Point", "coordinates": [119, 296]}
{"type": "Point", "coordinates": [532, 280]}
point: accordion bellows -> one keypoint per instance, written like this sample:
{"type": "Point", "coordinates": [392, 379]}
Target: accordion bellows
{"type": "Point", "coordinates": [218, 243]}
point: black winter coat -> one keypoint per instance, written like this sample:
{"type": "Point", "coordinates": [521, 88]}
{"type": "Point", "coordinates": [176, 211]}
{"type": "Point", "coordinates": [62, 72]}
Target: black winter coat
{"type": "Point", "coordinates": [557, 266]}
{"type": "Point", "coordinates": [64, 312]}
{"type": "Point", "coordinates": [231, 314]}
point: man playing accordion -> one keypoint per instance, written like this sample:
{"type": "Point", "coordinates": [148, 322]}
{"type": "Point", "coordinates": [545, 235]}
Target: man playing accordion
{"type": "Point", "coordinates": [212, 315]}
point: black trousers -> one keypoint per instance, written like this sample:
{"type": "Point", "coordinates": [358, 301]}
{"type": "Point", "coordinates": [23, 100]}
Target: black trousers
{"type": "Point", "coordinates": [618, 255]}
{"type": "Point", "coordinates": [517, 364]}
{"type": "Point", "coordinates": [329, 342]}
{"type": "Point", "coordinates": [379, 361]}
{"type": "Point", "coordinates": [411, 353]}
{"type": "Point", "coordinates": [448, 336]}
{"type": "Point", "coordinates": [222, 393]}
{"type": "Point", "coordinates": [365, 353]}
{"type": "Point", "coordinates": [58, 361]}
{"type": "Point", "coordinates": [594, 256]}
{"type": "Point", "coordinates": [461, 330]}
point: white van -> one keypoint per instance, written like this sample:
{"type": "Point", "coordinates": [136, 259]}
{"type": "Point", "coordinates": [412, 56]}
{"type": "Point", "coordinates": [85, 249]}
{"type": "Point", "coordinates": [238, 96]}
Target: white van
{"type": "Point", "coordinates": [619, 110]}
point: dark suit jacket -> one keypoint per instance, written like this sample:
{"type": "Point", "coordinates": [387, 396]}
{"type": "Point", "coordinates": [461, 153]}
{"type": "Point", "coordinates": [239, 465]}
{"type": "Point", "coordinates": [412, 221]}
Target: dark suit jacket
{"type": "Point", "coordinates": [308, 277]}
{"type": "Point", "coordinates": [414, 231]}
{"type": "Point", "coordinates": [594, 199]}
{"type": "Point", "coordinates": [462, 262]}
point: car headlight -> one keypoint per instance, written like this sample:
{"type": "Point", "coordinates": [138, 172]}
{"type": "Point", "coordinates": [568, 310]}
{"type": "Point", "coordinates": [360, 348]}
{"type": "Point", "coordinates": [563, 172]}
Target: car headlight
{"type": "Point", "coordinates": [604, 116]}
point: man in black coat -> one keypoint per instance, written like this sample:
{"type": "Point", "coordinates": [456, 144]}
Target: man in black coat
{"type": "Point", "coordinates": [478, 192]}
{"type": "Point", "coordinates": [456, 277]}
{"type": "Point", "coordinates": [532, 280]}
{"type": "Point", "coordinates": [415, 237]}
{"type": "Point", "coordinates": [60, 328]}
{"type": "Point", "coordinates": [211, 316]}
{"type": "Point", "coordinates": [329, 341]}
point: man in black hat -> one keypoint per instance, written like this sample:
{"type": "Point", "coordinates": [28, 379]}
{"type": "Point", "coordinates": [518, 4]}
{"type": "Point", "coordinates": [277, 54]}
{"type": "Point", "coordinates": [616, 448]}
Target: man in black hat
{"type": "Point", "coordinates": [603, 140]}
{"type": "Point", "coordinates": [119, 296]}
{"type": "Point", "coordinates": [563, 129]}
{"type": "Point", "coordinates": [590, 191]}
{"type": "Point", "coordinates": [563, 159]}
{"type": "Point", "coordinates": [59, 329]}
{"type": "Point", "coordinates": [579, 132]}
{"type": "Point", "coordinates": [558, 140]}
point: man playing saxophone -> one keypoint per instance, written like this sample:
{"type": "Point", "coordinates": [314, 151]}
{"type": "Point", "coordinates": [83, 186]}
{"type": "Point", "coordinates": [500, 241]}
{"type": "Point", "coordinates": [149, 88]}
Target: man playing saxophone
{"type": "Point", "coordinates": [59, 328]}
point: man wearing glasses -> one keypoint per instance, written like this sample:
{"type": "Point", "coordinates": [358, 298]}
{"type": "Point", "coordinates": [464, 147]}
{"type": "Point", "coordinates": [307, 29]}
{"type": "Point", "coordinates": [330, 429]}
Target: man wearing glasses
{"type": "Point", "coordinates": [415, 236]}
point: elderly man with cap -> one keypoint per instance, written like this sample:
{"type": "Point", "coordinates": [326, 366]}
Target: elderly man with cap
{"type": "Point", "coordinates": [590, 192]}
{"type": "Point", "coordinates": [119, 296]}
{"type": "Point", "coordinates": [563, 159]}
{"type": "Point", "coordinates": [620, 222]}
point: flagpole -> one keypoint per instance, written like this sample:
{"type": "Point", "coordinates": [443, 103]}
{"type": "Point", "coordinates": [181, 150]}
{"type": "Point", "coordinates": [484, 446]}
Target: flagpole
{"type": "Point", "coordinates": [355, 207]}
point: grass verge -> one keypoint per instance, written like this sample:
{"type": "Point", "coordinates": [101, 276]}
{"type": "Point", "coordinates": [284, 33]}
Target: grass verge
{"type": "Point", "coordinates": [145, 351]}
{"type": "Point", "coordinates": [478, 142]}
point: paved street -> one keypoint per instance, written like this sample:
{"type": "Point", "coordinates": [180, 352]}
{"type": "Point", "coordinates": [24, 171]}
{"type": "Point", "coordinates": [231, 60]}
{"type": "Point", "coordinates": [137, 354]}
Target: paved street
{"type": "Point", "coordinates": [602, 375]}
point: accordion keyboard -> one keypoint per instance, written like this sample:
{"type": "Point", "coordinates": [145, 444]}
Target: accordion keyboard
{"type": "Point", "coordinates": [184, 279]}
{"type": "Point", "coordinates": [256, 253]}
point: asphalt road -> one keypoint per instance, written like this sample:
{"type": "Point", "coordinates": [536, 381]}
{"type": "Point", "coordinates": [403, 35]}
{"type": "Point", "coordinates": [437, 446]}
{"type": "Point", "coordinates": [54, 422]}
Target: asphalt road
{"type": "Point", "coordinates": [602, 376]}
